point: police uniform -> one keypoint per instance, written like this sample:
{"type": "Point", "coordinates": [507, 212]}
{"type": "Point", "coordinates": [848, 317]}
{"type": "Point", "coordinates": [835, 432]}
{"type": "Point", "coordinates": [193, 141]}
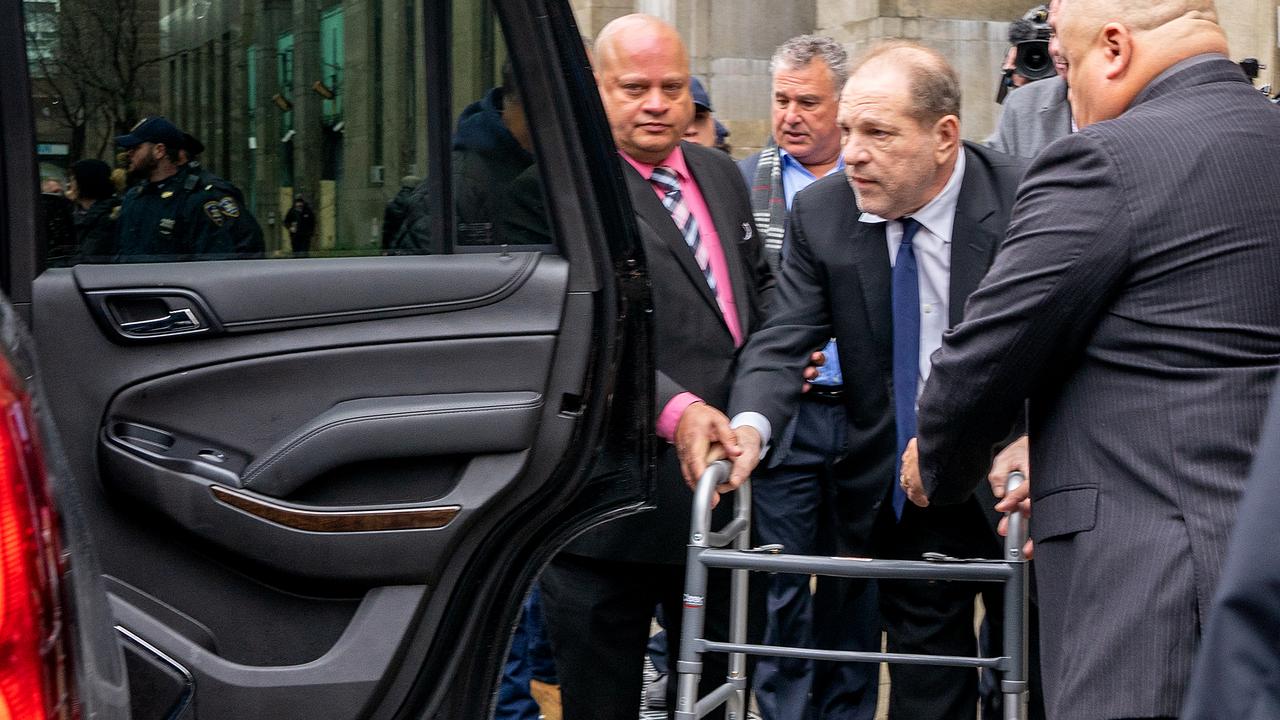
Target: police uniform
{"type": "Point", "coordinates": [191, 215]}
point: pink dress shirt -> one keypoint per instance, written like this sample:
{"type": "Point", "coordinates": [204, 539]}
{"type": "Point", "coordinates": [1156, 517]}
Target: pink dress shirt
{"type": "Point", "coordinates": [710, 239]}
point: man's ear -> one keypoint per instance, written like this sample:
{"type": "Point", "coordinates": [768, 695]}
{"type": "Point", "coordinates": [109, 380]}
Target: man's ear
{"type": "Point", "coordinates": [946, 134]}
{"type": "Point", "coordinates": [1117, 48]}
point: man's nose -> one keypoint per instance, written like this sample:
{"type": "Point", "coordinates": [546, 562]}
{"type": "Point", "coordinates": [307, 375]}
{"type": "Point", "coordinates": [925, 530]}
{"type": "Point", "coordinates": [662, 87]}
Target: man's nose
{"type": "Point", "coordinates": [854, 152]}
{"type": "Point", "coordinates": [656, 102]}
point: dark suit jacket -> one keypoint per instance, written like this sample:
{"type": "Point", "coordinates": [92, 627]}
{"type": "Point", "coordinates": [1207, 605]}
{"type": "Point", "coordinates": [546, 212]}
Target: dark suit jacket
{"type": "Point", "coordinates": [1237, 669]}
{"type": "Point", "coordinates": [836, 281]}
{"type": "Point", "coordinates": [1135, 304]}
{"type": "Point", "coordinates": [693, 349]}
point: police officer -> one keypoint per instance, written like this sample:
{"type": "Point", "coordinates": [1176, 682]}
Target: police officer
{"type": "Point", "coordinates": [180, 210]}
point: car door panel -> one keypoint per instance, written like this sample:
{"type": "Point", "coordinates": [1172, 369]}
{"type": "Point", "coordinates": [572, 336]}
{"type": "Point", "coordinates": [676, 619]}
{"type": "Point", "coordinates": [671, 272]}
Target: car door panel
{"type": "Point", "coordinates": [256, 296]}
{"type": "Point", "coordinates": [335, 685]}
{"type": "Point", "coordinates": [265, 422]}
{"type": "Point", "coordinates": [322, 479]}
{"type": "Point", "coordinates": [227, 435]}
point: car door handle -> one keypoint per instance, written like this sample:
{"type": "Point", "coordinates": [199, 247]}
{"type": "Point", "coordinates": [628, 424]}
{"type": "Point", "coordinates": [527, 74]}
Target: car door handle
{"type": "Point", "coordinates": [150, 314]}
{"type": "Point", "coordinates": [180, 320]}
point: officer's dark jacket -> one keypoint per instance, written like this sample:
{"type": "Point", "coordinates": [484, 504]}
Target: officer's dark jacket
{"type": "Point", "coordinates": [193, 215]}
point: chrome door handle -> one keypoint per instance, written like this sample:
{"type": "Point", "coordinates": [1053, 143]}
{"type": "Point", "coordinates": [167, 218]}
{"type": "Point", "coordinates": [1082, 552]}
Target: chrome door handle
{"type": "Point", "coordinates": [180, 320]}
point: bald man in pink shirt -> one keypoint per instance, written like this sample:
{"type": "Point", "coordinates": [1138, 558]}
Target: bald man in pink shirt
{"type": "Point", "coordinates": [709, 279]}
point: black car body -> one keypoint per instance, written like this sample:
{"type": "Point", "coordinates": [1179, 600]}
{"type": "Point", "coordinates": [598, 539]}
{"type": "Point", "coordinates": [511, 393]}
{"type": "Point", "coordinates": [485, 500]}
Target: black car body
{"type": "Point", "coordinates": [318, 487]}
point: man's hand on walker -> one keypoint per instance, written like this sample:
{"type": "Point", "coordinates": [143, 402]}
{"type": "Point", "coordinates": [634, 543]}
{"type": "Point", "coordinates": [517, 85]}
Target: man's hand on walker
{"type": "Point", "coordinates": [1016, 456]}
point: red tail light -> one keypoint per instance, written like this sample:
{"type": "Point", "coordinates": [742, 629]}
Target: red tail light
{"type": "Point", "coordinates": [35, 668]}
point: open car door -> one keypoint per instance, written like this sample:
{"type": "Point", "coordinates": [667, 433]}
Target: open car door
{"type": "Point", "coordinates": [322, 464]}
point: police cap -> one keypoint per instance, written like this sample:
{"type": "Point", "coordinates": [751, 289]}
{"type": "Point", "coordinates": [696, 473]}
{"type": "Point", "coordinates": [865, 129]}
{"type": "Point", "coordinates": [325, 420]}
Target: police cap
{"type": "Point", "coordinates": [153, 130]}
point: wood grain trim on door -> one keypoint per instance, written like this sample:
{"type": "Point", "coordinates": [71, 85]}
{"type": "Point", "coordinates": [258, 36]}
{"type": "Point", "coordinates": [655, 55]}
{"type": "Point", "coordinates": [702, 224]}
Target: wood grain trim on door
{"type": "Point", "coordinates": [338, 520]}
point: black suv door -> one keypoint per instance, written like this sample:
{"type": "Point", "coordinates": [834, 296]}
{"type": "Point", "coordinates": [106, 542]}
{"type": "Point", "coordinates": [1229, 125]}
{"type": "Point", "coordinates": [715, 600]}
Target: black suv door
{"type": "Point", "coordinates": [323, 462]}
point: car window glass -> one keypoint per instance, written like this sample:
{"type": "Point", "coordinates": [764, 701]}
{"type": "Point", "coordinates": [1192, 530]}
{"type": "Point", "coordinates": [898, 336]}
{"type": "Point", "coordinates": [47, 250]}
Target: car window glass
{"type": "Point", "coordinates": [184, 130]}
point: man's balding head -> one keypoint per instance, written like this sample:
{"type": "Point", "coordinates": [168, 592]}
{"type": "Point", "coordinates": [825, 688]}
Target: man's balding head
{"type": "Point", "coordinates": [899, 115]}
{"type": "Point", "coordinates": [932, 83]}
{"type": "Point", "coordinates": [642, 71]}
{"type": "Point", "coordinates": [1140, 14]}
{"type": "Point", "coordinates": [1115, 48]}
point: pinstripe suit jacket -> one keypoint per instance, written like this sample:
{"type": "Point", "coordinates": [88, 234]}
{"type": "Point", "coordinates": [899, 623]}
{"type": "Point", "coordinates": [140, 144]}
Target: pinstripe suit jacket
{"type": "Point", "coordinates": [1135, 303]}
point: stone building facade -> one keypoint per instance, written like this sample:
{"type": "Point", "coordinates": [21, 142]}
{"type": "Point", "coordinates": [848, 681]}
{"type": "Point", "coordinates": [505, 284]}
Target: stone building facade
{"type": "Point", "coordinates": [730, 42]}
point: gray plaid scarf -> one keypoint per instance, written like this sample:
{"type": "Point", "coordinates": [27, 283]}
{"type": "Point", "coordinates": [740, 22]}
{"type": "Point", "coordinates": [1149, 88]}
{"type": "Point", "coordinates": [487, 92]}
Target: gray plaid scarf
{"type": "Point", "coordinates": [769, 203]}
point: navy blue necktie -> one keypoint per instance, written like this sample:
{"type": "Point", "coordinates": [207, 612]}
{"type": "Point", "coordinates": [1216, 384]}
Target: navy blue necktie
{"type": "Point", "coordinates": [906, 350]}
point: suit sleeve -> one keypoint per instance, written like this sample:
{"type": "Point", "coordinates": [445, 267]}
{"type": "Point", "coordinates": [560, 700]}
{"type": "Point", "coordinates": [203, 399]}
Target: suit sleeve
{"type": "Point", "coordinates": [797, 322]}
{"type": "Point", "coordinates": [1065, 258]}
{"type": "Point", "coordinates": [1237, 662]}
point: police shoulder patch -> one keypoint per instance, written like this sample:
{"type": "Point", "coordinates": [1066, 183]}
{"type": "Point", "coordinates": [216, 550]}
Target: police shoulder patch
{"type": "Point", "coordinates": [229, 207]}
{"type": "Point", "coordinates": [214, 211]}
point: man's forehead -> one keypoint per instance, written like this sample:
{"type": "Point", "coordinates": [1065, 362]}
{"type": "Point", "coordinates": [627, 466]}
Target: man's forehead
{"type": "Point", "coordinates": [872, 106]}
{"type": "Point", "coordinates": [640, 48]}
{"type": "Point", "coordinates": [632, 74]}
{"type": "Point", "coordinates": [875, 87]}
{"type": "Point", "coordinates": [814, 75]}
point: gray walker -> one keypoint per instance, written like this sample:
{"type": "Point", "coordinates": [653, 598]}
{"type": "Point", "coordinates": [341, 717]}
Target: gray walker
{"type": "Point", "coordinates": [708, 549]}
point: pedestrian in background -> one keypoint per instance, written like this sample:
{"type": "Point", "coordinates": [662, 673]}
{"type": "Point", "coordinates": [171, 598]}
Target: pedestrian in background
{"type": "Point", "coordinates": [92, 191]}
{"type": "Point", "coordinates": [397, 209]}
{"type": "Point", "coordinates": [1039, 112]}
{"type": "Point", "coordinates": [798, 501]}
{"type": "Point", "coordinates": [300, 222]}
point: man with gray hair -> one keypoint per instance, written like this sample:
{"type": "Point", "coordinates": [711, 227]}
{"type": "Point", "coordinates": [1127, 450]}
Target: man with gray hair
{"type": "Point", "coordinates": [796, 501]}
{"type": "Point", "coordinates": [883, 259]}
{"type": "Point", "coordinates": [1134, 304]}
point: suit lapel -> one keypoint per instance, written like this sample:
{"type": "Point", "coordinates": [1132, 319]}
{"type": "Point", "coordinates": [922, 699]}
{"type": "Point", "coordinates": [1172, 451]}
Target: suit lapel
{"type": "Point", "coordinates": [871, 259]}
{"type": "Point", "coordinates": [651, 211]}
{"type": "Point", "coordinates": [973, 239]}
{"type": "Point", "coordinates": [729, 233]}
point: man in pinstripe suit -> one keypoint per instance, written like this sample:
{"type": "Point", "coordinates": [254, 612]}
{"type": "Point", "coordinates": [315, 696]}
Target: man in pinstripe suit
{"type": "Point", "coordinates": [1134, 304]}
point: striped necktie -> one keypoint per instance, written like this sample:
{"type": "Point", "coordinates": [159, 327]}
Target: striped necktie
{"type": "Point", "coordinates": [665, 179]}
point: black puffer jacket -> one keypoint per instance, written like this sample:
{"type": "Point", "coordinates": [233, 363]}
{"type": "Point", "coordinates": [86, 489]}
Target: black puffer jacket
{"type": "Point", "coordinates": [486, 159]}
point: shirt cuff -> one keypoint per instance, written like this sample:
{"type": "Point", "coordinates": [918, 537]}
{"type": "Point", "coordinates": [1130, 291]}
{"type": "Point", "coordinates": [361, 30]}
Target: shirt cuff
{"type": "Point", "coordinates": [761, 425]}
{"type": "Point", "coordinates": [670, 415]}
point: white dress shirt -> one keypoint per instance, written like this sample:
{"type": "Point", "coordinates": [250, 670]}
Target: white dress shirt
{"type": "Point", "coordinates": [932, 244]}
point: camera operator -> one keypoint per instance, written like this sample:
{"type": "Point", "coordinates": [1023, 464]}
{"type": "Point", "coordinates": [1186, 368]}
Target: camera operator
{"type": "Point", "coordinates": [1028, 57]}
{"type": "Point", "coordinates": [1038, 113]}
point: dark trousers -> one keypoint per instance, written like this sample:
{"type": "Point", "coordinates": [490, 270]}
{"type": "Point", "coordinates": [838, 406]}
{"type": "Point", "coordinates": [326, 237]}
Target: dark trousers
{"type": "Point", "coordinates": [800, 504]}
{"type": "Point", "coordinates": [598, 614]}
{"type": "Point", "coordinates": [529, 659]}
{"type": "Point", "coordinates": [659, 649]}
{"type": "Point", "coordinates": [935, 617]}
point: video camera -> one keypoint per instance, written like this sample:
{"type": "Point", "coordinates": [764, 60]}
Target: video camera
{"type": "Point", "coordinates": [1032, 59]}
